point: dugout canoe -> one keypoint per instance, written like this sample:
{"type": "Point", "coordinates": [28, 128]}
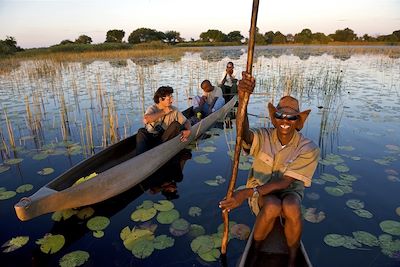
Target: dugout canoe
{"type": "Point", "coordinates": [118, 170]}
{"type": "Point", "coordinates": [273, 251]}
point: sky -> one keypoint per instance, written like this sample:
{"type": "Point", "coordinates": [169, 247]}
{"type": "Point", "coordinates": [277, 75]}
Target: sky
{"type": "Point", "coordinates": [41, 23]}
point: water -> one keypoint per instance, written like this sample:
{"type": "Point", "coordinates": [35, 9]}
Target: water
{"type": "Point", "coordinates": [355, 102]}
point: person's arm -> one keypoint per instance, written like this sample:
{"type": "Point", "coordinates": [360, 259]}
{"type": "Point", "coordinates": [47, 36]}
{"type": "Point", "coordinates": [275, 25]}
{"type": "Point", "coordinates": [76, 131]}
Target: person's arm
{"type": "Point", "coordinates": [149, 118]}
{"type": "Point", "coordinates": [186, 133]}
{"type": "Point", "coordinates": [241, 195]}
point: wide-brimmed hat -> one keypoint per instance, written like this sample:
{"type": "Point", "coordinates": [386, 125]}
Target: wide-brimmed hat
{"type": "Point", "coordinates": [290, 106]}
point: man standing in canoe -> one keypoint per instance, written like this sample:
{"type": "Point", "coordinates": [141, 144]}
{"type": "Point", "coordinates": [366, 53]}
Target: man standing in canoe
{"type": "Point", "coordinates": [163, 121]}
{"type": "Point", "coordinates": [284, 162]}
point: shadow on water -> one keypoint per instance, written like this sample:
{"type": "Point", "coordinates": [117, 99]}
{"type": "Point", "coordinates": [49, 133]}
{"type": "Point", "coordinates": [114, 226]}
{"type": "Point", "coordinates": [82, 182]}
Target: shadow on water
{"type": "Point", "coordinates": [163, 181]}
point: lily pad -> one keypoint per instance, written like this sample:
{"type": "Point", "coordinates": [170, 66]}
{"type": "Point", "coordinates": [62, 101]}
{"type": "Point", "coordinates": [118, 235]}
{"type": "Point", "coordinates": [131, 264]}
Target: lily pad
{"type": "Point", "coordinates": [334, 191]}
{"type": "Point", "coordinates": [13, 161]}
{"type": "Point", "coordinates": [75, 258]}
{"type": "Point", "coordinates": [351, 243]}
{"type": "Point", "coordinates": [164, 205]}
{"type": "Point", "coordinates": [179, 227]}
{"type": "Point", "coordinates": [210, 256]}
{"type": "Point", "coordinates": [312, 216]}
{"type": "Point", "coordinates": [346, 148]}
{"type": "Point", "coordinates": [142, 215]}
{"type": "Point", "coordinates": [209, 149]}
{"type": "Point", "coordinates": [131, 237]}
{"type": "Point", "coordinates": [50, 244]}
{"type": "Point", "coordinates": [240, 231]}
{"type": "Point", "coordinates": [63, 215]}
{"type": "Point", "coordinates": [329, 177]}
{"type": "Point", "coordinates": [355, 204]}
{"type": "Point", "coordinates": [334, 240]}
{"type": "Point", "coordinates": [40, 156]}
{"type": "Point", "coordinates": [342, 168]}
{"type": "Point", "coordinates": [196, 211]}
{"type": "Point", "coordinates": [7, 195]}
{"type": "Point", "coordinates": [202, 159]}
{"type": "Point", "coordinates": [46, 171]}
{"type": "Point", "coordinates": [167, 217]}
{"type": "Point", "coordinates": [313, 196]}
{"type": "Point", "coordinates": [196, 230]}
{"type": "Point", "coordinates": [390, 227]}
{"type": "Point", "coordinates": [143, 248]}
{"type": "Point", "coordinates": [163, 242]}
{"type": "Point", "coordinates": [24, 188]}
{"type": "Point", "coordinates": [212, 182]}
{"type": "Point", "coordinates": [4, 168]}
{"type": "Point", "coordinates": [15, 243]}
{"type": "Point", "coordinates": [366, 238]}
{"type": "Point", "coordinates": [202, 244]}
{"type": "Point", "coordinates": [85, 213]}
{"type": "Point", "coordinates": [85, 179]}
{"type": "Point", "coordinates": [363, 213]}
{"type": "Point", "coordinates": [97, 224]}
{"type": "Point", "coordinates": [348, 177]}
{"type": "Point", "coordinates": [147, 204]}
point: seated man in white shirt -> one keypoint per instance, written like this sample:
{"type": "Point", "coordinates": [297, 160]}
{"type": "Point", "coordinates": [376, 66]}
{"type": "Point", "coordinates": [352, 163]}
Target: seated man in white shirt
{"type": "Point", "coordinates": [210, 101]}
{"type": "Point", "coordinates": [228, 82]}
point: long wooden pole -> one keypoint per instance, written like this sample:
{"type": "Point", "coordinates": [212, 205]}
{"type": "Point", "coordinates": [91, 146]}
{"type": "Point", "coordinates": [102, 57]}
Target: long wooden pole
{"type": "Point", "coordinates": [239, 123]}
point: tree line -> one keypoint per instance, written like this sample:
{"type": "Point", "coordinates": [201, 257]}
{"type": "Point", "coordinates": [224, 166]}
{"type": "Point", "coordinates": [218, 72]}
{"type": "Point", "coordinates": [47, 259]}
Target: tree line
{"type": "Point", "coordinates": [145, 35]}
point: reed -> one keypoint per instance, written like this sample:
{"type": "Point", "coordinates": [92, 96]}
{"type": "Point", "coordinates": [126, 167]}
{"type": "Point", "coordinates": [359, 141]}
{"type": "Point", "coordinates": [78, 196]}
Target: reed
{"type": "Point", "coordinates": [9, 130]}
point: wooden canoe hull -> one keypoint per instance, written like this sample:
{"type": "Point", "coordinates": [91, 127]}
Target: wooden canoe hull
{"type": "Point", "coordinates": [127, 172]}
{"type": "Point", "coordinates": [274, 251]}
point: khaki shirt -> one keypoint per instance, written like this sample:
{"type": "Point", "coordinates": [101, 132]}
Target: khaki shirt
{"type": "Point", "coordinates": [165, 121]}
{"type": "Point", "coordinates": [298, 159]}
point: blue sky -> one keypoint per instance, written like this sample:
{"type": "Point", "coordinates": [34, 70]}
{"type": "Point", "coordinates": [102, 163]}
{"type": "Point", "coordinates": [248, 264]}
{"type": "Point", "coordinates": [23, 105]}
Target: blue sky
{"type": "Point", "coordinates": [38, 23]}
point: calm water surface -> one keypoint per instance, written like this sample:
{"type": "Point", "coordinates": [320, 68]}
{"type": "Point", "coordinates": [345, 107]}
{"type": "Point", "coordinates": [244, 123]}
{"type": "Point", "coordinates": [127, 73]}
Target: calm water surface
{"type": "Point", "coordinates": [355, 119]}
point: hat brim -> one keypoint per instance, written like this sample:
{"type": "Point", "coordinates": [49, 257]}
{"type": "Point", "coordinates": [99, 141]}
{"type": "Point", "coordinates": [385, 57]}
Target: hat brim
{"type": "Point", "coordinates": [299, 123]}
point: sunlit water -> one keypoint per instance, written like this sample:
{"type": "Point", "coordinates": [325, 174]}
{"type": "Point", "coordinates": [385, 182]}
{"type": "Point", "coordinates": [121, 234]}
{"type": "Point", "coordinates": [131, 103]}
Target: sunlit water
{"type": "Point", "coordinates": [355, 102]}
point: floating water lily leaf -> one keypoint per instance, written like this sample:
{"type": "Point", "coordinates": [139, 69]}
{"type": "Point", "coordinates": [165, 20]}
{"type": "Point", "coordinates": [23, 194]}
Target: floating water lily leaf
{"type": "Point", "coordinates": [217, 237]}
{"type": "Point", "coordinates": [212, 182]}
{"type": "Point", "coordinates": [143, 248]}
{"type": "Point", "coordinates": [148, 226]}
{"type": "Point", "coordinates": [331, 159]}
{"type": "Point", "coordinates": [167, 217]}
{"type": "Point", "coordinates": [334, 191]}
{"type": "Point", "coordinates": [345, 188]}
{"type": "Point", "coordinates": [313, 196]}
{"type": "Point", "coordinates": [24, 188]}
{"type": "Point", "coordinates": [211, 255]}
{"type": "Point", "coordinates": [74, 258]}
{"type": "Point", "coordinates": [98, 234]}
{"type": "Point", "coordinates": [363, 213]}
{"type": "Point", "coordinates": [312, 216]}
{"type": "Point", "coordinates": [240, 231]}
{"type": "Point", "coordinates": [346, 148]}
{"type": "Point", "coordinates": [85, 213]}
{"type": "Point", "coordinates": [40, 156]}
{"type": "Point", "coordinates": [4, 168]}
{"type": "Point", "coordinates": [391, 172]}
{"type": "Point", "coordinates": [348, 177]}
{"type": "Point", "coordinates": [344, 182]}
{"type": "Point", "coordinates": [163, 242]}
{"type": "Point", "coordinates": [329, 177]}
{"type": "Point", "coordinates": [147, 204]}
{"type": "Point", "coordinates": [390, 227]}
{"type": "Point", "coordinates": [318, 181]}
{"type": "Point", "coordinates": [393, 147]}
{"type": "Point", "coordinates": [194, 211]}
{"type": "Point", "coordinates": [2, 189]}
{"type": "Point", "coordinates": [50, 244]}
{"type": "Point", "coordinates": [366, 238]}
{"type": "Point", "coordinates": [134, 236]}
{"type": "Point", "coordinates": [334, 240]}
{"type": "Point", "coordinates": [15, 243]}
{"type": "Point", "coordinates": [393, 178]}
{"type": "Point", "coordinates": [220, 179]}
{"type": "Point", "coordinates": [209, 149]}
{"type": "Point", "coordinates": [63, 215]}
{"type": "Point", "coordinates": [355, 158]}
{"type": "Point", "coordinates": [351, 243]}
{"type": "Point", "coordinates": [196, 230]}
{"type": "Point", "coordinates": [142, 215]}
{"type": "Point", "coordinates": [180, 224]}
{"type": "Point", "coordinates": [164, 205]}
{"type": "Point", "coordinates": [342, 168]}
{"type": "Point", "coordinates": [202, 244]}
{"type": "Point", "coordinates": [13, 161]}
{"type": "Point", "coordinates": [220, 228]}
{"type": "Point", "coordinates": [7, 194]}
{"type": "Point", "coordinates": [46, 171]}
{"type": "Point", "coordinates": [97, 224]}
{"type": "Point", "coordinates": [355, 204]}
{"type": "Point", "coordinates": [202, 159]}
{"type": "Point", "coordinates": [125, 233]}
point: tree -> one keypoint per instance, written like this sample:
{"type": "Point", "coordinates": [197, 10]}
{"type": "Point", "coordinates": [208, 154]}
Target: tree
{"type": "Point", "coordinates": [235, 36]}
{"type": "Point", "coordinates": [269, 37]}
{"type": "Point", "coordinates": [259, 38]}
{"type": "Point", "coordinates": [320, 38]}
{"type": "Point", "coordinates": [64, 42]}
{"type": "Point", "coordinates": [83, 39]}
{"type": "Point", "coordinates": [9, 46]}
{"type": "Point", "coordinates": [115, 36]}
{"type": "Point", "coordinates": [213, 36]}
{"type": "Point", "coordinates": [279, 38]}
{"type": "Point", "coordinates": [397, 34]}
{"type": "Point", "coordinates": [173, 37]}
{"type": "Point", "coordinates": [305, 37]}
{"type": "Point", "coordinates": [368, 38]}
{"type": "Point", "coordinates": [142, 35]}
{"type": "Point", "coordinates": [346, 35]}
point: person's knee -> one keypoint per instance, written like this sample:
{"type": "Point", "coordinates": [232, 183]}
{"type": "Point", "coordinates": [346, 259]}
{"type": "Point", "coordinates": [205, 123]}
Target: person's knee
{"type": "Point", "coordinates": [291, 206]}
{"type": "Point", "coordinates": [271, 209]}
